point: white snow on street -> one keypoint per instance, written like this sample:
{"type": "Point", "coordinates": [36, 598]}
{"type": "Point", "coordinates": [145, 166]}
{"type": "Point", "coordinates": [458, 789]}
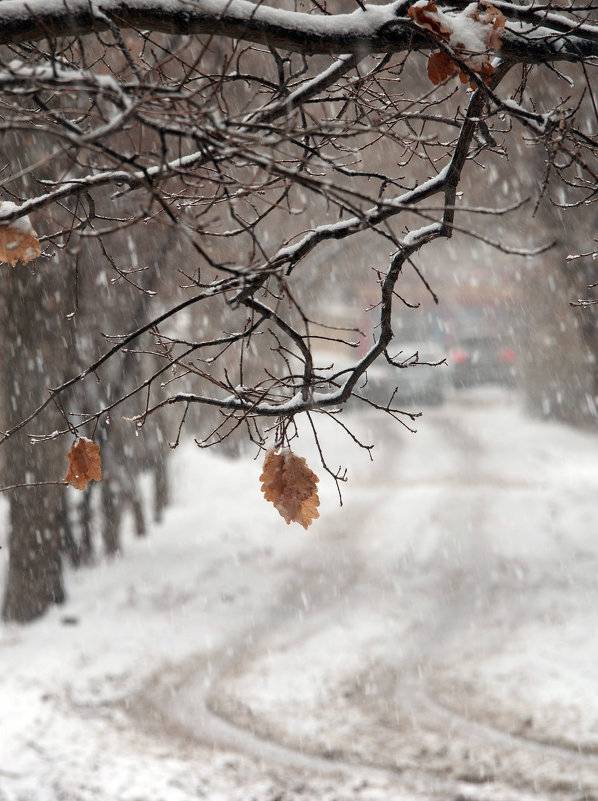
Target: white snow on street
{"type": "Point", "coordinates": [434, 638]}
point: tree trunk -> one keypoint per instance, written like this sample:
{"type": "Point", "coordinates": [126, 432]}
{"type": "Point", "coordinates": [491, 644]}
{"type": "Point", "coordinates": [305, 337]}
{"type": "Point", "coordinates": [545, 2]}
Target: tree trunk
{"type": "Point", "coordinates": [133, 496]}
{"type": "Point", "coordinates": [111, 517]}
{"type": "Point", "coordinates": [160, 486]}
{"type": "Point", "coordinates": [85, 526]}
{"type": "Point", "coordinates": [32, 358]}
{"type": "Point", "coordinates": [68, 543]}
{"type": "Point", "coordinates": [34, 579]}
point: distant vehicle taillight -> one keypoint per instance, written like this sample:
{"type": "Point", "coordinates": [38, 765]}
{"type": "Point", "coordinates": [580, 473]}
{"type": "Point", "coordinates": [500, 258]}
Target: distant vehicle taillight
{"type": "Point", "coordinates": [459, 356]}
{"type": "Point", "coordinates": [508, 355]}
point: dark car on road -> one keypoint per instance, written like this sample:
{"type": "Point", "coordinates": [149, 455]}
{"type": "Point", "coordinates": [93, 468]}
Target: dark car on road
{"type": "Point", "coordinates": [482, 359]}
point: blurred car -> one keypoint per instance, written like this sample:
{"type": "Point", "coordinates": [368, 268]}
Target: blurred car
{"type": "Point", "coordinates": [482, 359]}
{"type": "Point", "coordinates": [422, 380]}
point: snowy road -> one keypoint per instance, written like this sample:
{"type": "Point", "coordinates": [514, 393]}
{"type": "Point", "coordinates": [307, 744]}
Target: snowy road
{"type": "Point", "coordinates": [433, 639]}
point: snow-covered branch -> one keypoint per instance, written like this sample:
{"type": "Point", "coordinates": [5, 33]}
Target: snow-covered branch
{"type": "Point", "coordinates": [530, 36]}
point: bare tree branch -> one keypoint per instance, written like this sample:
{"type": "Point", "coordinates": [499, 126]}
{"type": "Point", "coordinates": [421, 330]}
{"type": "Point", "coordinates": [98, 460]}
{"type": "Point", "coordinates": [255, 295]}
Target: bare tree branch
{"type": "Point", "coordinates": [378, 29]}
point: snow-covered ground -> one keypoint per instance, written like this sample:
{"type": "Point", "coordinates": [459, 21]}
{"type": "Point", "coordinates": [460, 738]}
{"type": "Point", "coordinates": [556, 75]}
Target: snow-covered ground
{"type": "Point", "coordinates": [434, 638]}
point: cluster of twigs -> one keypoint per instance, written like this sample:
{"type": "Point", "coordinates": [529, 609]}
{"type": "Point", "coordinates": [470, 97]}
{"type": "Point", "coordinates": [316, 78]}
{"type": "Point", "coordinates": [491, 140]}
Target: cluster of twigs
{"type": "Point", "coordinates": [266, 165]}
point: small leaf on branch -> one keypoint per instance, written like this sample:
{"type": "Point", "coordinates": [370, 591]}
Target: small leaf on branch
{"type": "Point", "coordinates": [18, 240]}
{"type": "Point", "coordinates": [85, 464]}
{"type": "Point", "coordinates": [471, 34]}
{"type": "Point", "coordinates": [440, 67]}
{"type": "Point", "coordinates": [290, 485]}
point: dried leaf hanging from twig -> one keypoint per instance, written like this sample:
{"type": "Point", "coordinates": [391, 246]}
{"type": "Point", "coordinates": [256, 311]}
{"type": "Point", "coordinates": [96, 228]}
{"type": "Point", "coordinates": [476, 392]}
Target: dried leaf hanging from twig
{"type": "Point", "coordinates": [18, 240]}
{"type": "Point", "coordinates": [471, 34]}
{"type": "Point", "coordinates": [85, 464]}
{"type": "Point", "coordinates": [290, 485]}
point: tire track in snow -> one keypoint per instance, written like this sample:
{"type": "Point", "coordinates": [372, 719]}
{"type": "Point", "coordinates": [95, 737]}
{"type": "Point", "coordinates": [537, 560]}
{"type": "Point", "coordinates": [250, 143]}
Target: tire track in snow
{"type": "Point", "coordinates": [452, 588]}
{"type": "Point", "coordinates": [196, 685]}
{"type": "Point", "coordinates": [460, 609]}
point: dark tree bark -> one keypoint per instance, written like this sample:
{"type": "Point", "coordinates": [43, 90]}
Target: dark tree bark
{"type": "Point", "coordinates": [34, 579]}
{"type": "Point", "coordinates": [67, 537]}
{"type": "Point", "coordinates": [161, 493]}
{"type": "Point", "coordinates": [133, 497]}
{"type": "Point", "coordinates": [85, 527]}
{"type": "Point", "coordinates": [111, 518]}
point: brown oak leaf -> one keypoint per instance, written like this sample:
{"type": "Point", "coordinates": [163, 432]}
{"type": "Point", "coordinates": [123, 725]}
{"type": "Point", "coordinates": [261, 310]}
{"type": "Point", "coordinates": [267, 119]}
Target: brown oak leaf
{"type": "Point", "coordinates": [495, 22]}
{"type": "Point", "coordinates": [290, 485]}
{"type": "Point", "coordinates": [85, 463]}
{"type": "Point", "coordinates": [440, 67]}
{"type": "Point", "coordinates": [426, 16]}
{"type": "Point", "coordinates": [18, 240]}
{"type": "Point", "coordinates": [471, 34]}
